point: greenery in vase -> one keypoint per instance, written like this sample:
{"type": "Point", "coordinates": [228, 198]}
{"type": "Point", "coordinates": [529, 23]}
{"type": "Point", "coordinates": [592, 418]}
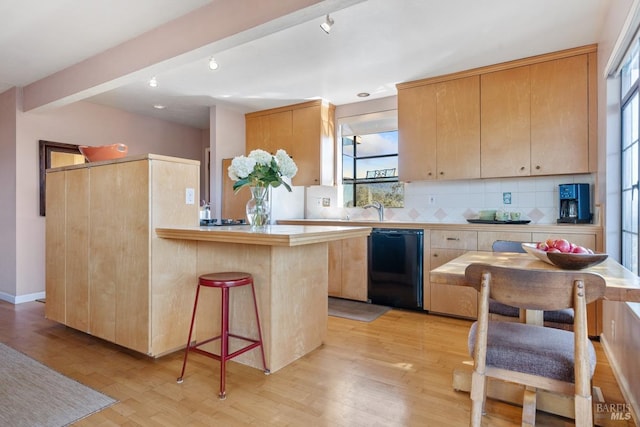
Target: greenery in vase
{"type": "Point", "coordinates": [262, 169]}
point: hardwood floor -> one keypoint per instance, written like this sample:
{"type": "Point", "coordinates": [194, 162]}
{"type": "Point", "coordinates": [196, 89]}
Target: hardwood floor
{"type": "Point", "coordinates": [395, 371]}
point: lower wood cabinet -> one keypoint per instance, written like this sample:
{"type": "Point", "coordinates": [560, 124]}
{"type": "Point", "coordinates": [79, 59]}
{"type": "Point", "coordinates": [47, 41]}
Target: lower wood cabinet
{"type": "Point", "coordinates": [348, 268]}
{"type": "Point", "coordinates": [445, 299]}
{"type": "Point", "coordinates": [101, 277]}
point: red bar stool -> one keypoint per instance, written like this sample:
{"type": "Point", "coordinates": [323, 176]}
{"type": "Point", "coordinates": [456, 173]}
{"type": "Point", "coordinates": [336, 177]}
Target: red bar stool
{"type": "Point", "coordinates": [224, 281]}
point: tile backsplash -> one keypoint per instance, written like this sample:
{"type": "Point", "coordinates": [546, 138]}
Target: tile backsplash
{"type": "Point", "coordinates": [536, 198]}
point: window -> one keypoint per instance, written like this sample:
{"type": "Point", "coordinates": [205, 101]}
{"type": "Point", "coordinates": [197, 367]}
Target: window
{"type": "Point", "coordinates": [370, 169]}
{"type": "Point", "coordinates": [630, 152]}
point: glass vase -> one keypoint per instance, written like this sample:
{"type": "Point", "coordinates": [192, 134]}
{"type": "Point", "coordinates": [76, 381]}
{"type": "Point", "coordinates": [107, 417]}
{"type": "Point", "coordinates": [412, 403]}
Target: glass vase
{"type": "Point", "coordinates": [258, 208]}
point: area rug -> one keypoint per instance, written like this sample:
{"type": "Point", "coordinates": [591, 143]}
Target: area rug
{"type": "Point", "coordinates": [355, 310]}
{"type": "Point", "coordinates": [33, 395]}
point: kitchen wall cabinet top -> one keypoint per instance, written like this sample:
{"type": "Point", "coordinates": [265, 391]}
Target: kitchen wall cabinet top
{"type": "Point", "coordinates": [305, 131]}
{"type": "Point", "coordinates": [537, 116]}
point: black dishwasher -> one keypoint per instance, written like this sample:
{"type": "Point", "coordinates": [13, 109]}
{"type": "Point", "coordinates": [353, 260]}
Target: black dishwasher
{"type": "Point", "coordinates": [395, 267]}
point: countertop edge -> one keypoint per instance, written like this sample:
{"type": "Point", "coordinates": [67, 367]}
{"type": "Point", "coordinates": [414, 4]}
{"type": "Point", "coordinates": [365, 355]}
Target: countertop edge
{"type": "Point", "coordinates": [275, 235]}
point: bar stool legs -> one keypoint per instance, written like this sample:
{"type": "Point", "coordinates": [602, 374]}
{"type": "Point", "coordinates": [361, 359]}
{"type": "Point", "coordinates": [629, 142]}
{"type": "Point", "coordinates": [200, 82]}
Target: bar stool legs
{"type": "Point", "coordinates": [224, 281]}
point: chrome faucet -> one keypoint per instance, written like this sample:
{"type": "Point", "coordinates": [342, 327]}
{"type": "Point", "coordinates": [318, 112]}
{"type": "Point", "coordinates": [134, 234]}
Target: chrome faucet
{"type": "Point", "coordinates": [377, 206]}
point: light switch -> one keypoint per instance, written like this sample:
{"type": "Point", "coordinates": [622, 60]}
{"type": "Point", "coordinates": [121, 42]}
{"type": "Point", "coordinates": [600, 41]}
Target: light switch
{"type": "Point", "coordinates": [190, 196]}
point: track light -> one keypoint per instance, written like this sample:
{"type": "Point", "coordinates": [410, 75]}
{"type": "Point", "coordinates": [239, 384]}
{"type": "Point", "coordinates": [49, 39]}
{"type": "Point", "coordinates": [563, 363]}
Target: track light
{"type": "Point", "coordinates": [153, 82]}
{"type": "Point", "coordinates": [213, 65]}
{"type": "Point", "coordinates": [326, 25]}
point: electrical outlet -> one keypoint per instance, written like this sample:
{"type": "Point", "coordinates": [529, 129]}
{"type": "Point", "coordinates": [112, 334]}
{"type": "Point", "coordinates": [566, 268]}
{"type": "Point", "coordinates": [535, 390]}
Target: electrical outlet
{"type": "Point", "coordinates": [506, 198]}
{"type": "Point", "coordinates": [432, 200]}
{"type": "Point", "coordinates": [326, 202]}
{"type": "Point", "coordinates": [190, 196]}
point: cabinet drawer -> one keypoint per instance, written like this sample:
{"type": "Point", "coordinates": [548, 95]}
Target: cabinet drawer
{"type": "Point", "coordinates": [450, 239]}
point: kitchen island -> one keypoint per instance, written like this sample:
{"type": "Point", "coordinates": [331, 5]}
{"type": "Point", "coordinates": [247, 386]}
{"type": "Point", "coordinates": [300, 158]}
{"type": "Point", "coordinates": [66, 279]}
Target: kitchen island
{"type": "Point", "coordinates": [289, 265]}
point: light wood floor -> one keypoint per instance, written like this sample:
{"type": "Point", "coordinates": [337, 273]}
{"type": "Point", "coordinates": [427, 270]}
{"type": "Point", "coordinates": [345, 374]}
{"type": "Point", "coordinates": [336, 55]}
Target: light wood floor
{"type": "Point", "coordinates": [395, 371]}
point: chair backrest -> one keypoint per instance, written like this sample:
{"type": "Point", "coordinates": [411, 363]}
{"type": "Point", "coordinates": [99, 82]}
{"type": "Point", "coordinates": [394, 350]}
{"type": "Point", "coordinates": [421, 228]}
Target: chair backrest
{"type": "Point", "coordinates": [535, 289]}
{"type": "Point", "coordinates": [507, 246]}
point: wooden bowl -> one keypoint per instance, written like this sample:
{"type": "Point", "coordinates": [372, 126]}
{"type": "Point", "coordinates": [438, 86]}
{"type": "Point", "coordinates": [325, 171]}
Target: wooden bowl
{"type": "Point", "coordinates": [575, 261]}
{"type": "Point", "coordinates": [103, 152]}
{"type": "Point", "coordinates": [563, 260]}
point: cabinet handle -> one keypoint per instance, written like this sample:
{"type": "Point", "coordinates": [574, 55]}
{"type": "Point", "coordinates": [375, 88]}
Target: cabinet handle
{"type": "Point", "coordinates": [435, 255]}
{"type": "Point", "coordinates": [429, 174]}
{"type": "Point", "coordinates": [521, 168]}
{"type": "Point", "coordinates": [538, 167]}
{"type": "Point", "coordinates": [441, 173]}
{"type": "Point", "coordinates": [453, 238]}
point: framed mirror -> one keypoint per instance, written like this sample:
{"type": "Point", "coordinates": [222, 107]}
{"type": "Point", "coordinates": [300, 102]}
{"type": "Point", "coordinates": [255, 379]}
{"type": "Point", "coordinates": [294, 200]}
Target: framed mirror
{"type": "Point", "coordinates": [54, 155]}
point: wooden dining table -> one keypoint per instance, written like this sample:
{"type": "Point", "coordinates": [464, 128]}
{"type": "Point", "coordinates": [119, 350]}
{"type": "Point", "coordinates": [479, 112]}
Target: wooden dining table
{"type": "Point", "coordinates": [622, 285]}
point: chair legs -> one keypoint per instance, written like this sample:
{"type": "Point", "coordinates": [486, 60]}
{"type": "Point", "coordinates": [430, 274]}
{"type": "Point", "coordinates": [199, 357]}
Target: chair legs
{"type": "Point", "coordinates": [478, 394]}
{"type": "Point", "coordinates": [224, 340]}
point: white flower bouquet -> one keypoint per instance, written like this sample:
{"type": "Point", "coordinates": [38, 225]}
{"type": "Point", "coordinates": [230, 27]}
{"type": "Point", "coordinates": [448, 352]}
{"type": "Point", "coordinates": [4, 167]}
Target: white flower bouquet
{"type": "Point", "coordinates": [261, 169]}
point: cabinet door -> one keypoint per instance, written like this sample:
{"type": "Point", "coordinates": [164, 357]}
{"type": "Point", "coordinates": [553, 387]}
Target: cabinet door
{"type": "Point", "coordinates": [560, 116]}
{"type": "Point", "coordinates": [417, 133]}
{"type": "Point", "coordinates": [506, 123]}
{"type": "Point", "coordinates": [458, 128]}
{"type": "Point", "coordinates": [335, 268]}
{"type": "Point", "coordinates": [448, 299]}
{"type": "Point", "coordinates": [305, 145]}
{"type": "Point", "coordinates": [77, 250]}
{"type": "Point", "coordinates": [354, 268]}
{"type": "Point", "coordinates": [119, 253]}
{"type": "Point", "coordinates": [269, 132]}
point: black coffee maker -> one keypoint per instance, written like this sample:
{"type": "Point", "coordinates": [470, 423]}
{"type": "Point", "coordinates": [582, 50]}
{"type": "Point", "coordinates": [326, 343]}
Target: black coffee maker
{"type": "Point", "coordinates": [575, 207]}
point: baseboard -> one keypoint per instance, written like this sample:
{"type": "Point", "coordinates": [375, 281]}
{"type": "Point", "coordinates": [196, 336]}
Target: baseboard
{"type": "Point", "coordinates": [19, 299]}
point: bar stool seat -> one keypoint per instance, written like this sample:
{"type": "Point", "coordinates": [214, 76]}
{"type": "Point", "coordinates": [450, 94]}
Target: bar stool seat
{"type": "Point", "coordinates": [224, 281]}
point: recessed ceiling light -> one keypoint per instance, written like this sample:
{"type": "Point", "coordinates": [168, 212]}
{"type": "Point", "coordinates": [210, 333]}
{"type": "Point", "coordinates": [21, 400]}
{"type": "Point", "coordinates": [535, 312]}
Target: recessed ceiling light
{"type": "Point", "coordinates": [213, 65]}
{"type": "Point", "coordinates": [153, 82]}
{"type": "Point", "coordinates": [363, 94]}
{"type": "Point", "coordinates": [159, 106]}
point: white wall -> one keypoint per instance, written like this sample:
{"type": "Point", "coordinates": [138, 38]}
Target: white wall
{"type": "Point", "coordinates": [7, 191]}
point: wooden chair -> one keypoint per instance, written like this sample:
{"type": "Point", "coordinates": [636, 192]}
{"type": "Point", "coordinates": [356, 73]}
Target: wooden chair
{"type": "Point", "coordinates": [561, 319]}
{"type": "Point", "coordinates": [534, 356]}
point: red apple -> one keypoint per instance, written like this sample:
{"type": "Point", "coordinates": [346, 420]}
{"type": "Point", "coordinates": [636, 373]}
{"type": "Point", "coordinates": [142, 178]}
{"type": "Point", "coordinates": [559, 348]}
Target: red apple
{"type": "Point", "coordinates": [542, 246]}
{"type": "Point", "coordinates": [580, 250]}
{"type": "Point", "coordinates": [553, 250]}
{"type": "Point", "coordinates": [563, 245]}
{"type": "Point", "coordinates": [551, 243]}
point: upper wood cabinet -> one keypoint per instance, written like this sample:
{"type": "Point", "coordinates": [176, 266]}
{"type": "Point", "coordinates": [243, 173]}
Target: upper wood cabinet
{"type": "Point", "coordinates": [506, 123]}
{"type": "Point", "coordinates": [305, 131]}
{"type": "Point", "coordinates": [439, 130]}
{"type": "Point", "coordinates": [458, 128]}
{"type": "Point", "coordinates": [560, 116]}
{"type": "Point", "coordinates": [417, 133]}
{"type": "Point", "coordinates": [534, 116]}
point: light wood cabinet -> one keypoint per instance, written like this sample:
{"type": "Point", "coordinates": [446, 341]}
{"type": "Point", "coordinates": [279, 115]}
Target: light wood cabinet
{"type": "Point", "coordinates": [560, 116]}
{"type": "Point", "coordinates": [506, 123]}
{"type": "Point", "coordinates": [417, 133]}
{"type": "Point", "coordinates": [305, 131]}
{"type": "Point", "coordinates": [452, 300]}
{"type": "Point", "coordinates": [439, 130]}
{"type": "Point", "coordinates": [348, 268]}
{"type": "Point", "coordinates": [529, 117]}
{"type": "Point", "coordinates": [458, 128]}
{"type": "Point", "coordinates": [101, 277]}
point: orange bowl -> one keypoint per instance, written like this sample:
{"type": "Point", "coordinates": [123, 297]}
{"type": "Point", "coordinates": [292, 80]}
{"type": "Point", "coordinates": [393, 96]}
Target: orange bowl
{"type": "Point", "coordinates": [103, 152]}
